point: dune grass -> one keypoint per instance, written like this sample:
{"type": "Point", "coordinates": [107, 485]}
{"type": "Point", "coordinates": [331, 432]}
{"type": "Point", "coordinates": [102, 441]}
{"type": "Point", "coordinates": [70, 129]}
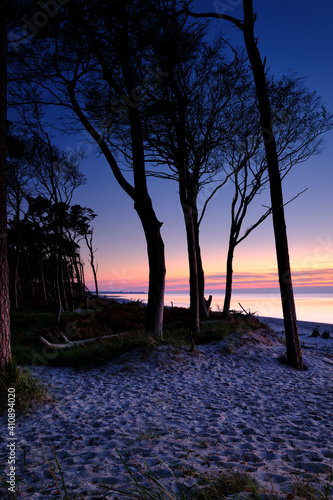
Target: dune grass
{"type": "Point", "coordinates": [147, 484]}
{"type": "Point", "coordinates": [29, 391]}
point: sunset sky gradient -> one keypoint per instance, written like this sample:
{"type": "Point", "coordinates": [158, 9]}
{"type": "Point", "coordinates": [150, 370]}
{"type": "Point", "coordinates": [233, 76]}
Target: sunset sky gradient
{"type": "Point", "coordinates": [293, 36]}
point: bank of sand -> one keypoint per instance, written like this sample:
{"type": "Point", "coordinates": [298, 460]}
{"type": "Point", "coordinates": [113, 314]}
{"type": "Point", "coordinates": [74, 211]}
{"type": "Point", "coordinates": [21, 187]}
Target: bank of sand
{"type": "Point", "coordinates": [228, 405]}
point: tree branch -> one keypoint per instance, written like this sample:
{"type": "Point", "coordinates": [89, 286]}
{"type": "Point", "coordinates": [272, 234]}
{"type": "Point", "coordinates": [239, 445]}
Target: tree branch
{"type": "Point", "coordinates": [237, 22]}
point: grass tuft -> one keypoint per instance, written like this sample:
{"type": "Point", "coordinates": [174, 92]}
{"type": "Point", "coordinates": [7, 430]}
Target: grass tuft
{"type": "Point", "coordinates": [220, 486]}
{"type": "Point", "coordinates": [29, 391]}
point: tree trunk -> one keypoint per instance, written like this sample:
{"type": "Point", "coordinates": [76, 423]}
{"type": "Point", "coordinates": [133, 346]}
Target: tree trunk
{"type": "Point", "coordinates": [294, 354]}
{"type": "Point", "coordinates": [31, 281]}
{"type": "Point", "coordinates": [5, 352]}
{"type": "Point", "coordinates": [78, 289]}
{"type": "Point", "coordinates": [228, 283]}
{"type": "Point", "coordinates": [95, 278]}
{"type": "Point", "coordinates": [62, 263]}
{"type": "Point", "coordinates": [155, 248]}
{"type": "Point", "coordinates": [203, 310]}
{"type": "Point", "coordinates": [193, 268]}
{"type": "Point", "coordinates": [42, 278]}
{"type": "Point", "coordinates": [89, 243]}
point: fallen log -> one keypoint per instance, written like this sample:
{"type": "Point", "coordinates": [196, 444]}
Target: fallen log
{"type": "Point", "coordinates": [69, 344]}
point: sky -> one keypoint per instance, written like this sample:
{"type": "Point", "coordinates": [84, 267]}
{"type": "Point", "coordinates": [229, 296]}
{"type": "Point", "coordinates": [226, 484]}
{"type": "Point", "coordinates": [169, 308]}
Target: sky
{"type": "Point", "coordinates": [293, 36]}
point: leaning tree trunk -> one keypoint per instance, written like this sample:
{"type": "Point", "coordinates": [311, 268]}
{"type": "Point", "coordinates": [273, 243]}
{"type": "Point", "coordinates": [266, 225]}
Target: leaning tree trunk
{"type": "Point", "coordinates": [5, 348]}
{"type": "Point", "coordinates": [155, 248]}
{"type": "Point", "coordinates": [203, 309]}
{"type": "Point", "coordinates": [95, 277]}
{"type": "Point", "coordinates": [142, 204]}
{"type": "Point", "coordinates": [294, 354]}
{"type": "Point", "coordinates": [89, 243]}
{"type": "Point", "coordinates": [228, 283]}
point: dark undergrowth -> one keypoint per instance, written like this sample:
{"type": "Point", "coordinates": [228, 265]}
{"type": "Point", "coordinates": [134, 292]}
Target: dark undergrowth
{"type": "Point", "coordinates": [122, 323]}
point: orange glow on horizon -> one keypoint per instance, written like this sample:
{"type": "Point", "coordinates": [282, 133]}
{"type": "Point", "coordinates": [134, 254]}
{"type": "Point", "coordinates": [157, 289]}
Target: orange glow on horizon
{"type": "Point", "coordinates": [241, 280]}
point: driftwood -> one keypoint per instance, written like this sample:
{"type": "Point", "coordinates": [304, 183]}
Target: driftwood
{"type": "Point", "coordinates": [247, 313]}
{"type": "Point", "coordinates": [69, 344]}
{"type": "Point", "coordinates": [244, 314]}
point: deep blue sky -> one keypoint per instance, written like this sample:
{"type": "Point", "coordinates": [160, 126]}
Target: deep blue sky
{"type": "Point", "coordinates": [295, 36]}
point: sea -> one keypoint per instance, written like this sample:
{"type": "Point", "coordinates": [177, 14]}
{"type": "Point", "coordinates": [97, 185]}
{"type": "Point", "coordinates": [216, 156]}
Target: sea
{"type": "Point", "coordinates": [316, 308]}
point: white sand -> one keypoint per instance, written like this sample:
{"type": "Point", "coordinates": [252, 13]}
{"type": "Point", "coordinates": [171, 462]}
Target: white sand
{"type": "Point", "coordinates": [208, 410]}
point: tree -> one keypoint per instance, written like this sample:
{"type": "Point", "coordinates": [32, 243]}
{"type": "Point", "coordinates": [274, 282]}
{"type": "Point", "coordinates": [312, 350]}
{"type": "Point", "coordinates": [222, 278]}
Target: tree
{"type": "Point", "coordinates": [80, 219]}
{"type": "Point", "coordinates": [37, 272]}
{"type": "Point", "coordinates": [89, 242]}
{"type": "Point", "coordinates": [103, 54]}
{"type": "Point", "coordinates": [5, 353]}
{"type": "Point", "coordinates": [294, 353]}
{"type": "Point", "coordinates": [19, 176]}
{"type": "Point", "coordinates": [54, 175]}
{"type": "Point", "coordinates": [185, 124]}
{"type": "Point", "coordinates": [300, 120]}
{"type": "Point", "coordinates": [41, 182]}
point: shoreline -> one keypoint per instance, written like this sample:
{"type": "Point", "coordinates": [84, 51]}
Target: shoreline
{"type": "Point", "coordinates": [305, 329]}
{"type": "Point", "coordinates": [309, 307]}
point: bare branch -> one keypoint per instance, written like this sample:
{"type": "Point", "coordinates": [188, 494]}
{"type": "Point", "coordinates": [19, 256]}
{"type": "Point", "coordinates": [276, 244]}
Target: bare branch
{"type": "Point", "coordinates": [264, 216]}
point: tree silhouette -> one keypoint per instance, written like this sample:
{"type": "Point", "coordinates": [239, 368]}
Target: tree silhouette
{"type": "Point", "coordinates": [186, 124]}
{"type": "Point", "coordinates": [102, 55]}
{"type": "Point", "coordinates": [5, 349]}
{"type": "Point", "coordinates": [19, 176]}
{"type": "Point", "coordinates": [37, 275]}
{"type": "Point", "coordinates": [300, 120]}
{"type": "Point", "coordinates": [294, 354]}
{"type": "Point", "coordinates": [44, 230]}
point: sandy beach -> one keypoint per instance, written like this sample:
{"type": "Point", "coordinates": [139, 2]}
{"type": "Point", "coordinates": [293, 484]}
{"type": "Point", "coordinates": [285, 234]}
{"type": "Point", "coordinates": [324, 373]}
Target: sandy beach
{"type": "Point", "coordinates": [231, 404]}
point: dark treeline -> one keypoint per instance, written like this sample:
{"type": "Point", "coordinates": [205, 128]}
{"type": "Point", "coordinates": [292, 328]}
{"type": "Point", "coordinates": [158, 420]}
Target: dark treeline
{"type": "Point", "coordinates": [44, 229]}
{"type": "Point", "coordinates": [155, 94]}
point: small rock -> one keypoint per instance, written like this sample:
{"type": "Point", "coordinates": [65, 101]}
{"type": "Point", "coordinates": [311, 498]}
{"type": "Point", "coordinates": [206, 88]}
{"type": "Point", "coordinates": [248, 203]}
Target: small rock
{"type": "Point", "coordinates": [315, 333]}
{"type": "Point", "coordinates": [326, 335]}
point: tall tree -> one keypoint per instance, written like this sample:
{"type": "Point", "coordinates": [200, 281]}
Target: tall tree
{"type": "Point", "coordinates": [187, 122]}
{"type": "Point", "coordinates": [294, 353]}
{"type": "Point", "coordinates": [103, 53]}
{"type": "Point", "coordinates": [299, 120]}
{"type": "Point", "coordinates": [89, 242]}
{"type": "Point", "coordinates": [5, 348]}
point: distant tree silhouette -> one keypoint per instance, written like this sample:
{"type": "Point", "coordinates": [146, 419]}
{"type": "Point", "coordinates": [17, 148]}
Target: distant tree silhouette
{"type": "Point", "coordinates": [89, 242]}
{"type": "Point", "coordinates": [41, 183]}
{"type": "Point", "coordinates": [80, 228]}
{"type": "Point", "coordinates": [5, 349]}
{"type": "Point", "coordinates": [37, 274]}
{"type": "Point", "coordinates": [19, 176]}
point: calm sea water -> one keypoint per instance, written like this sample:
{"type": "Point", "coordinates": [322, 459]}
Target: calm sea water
{"type": "Point", "coordinates": [317, 308]}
